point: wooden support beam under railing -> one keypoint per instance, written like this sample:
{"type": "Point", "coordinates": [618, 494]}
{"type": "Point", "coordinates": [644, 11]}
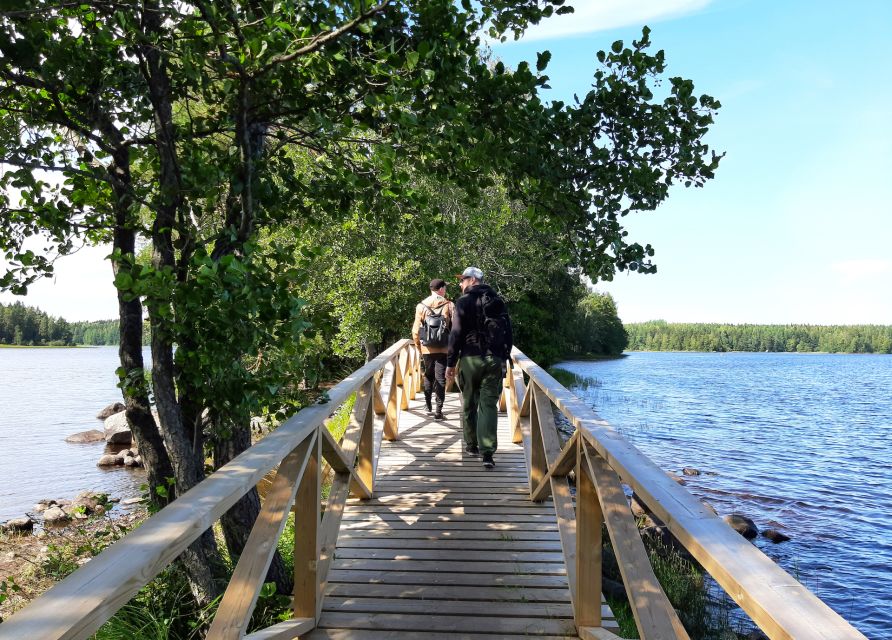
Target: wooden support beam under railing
{"type": "Point", "coordinates": [240, 598]}
{"type": "Point", "coordinates": [780, 605]}
{"type": "Point", "coordinates": [654, 615]}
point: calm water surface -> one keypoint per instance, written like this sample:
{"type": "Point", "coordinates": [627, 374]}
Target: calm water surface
{"type": "Point", "coordinates": [797, 442]}
{"type": "Point", "coordinates": [45, 396]}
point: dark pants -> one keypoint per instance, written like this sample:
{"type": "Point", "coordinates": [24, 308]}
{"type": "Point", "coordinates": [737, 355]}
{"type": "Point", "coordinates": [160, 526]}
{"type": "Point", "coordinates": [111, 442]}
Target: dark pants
{"type": "Point", "coordinates": [480, 380]}
{"type": "Point", "coordinates": [434, 377]}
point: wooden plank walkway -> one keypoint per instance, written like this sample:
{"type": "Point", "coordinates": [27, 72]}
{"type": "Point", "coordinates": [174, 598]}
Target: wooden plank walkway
{"type": "Point", "coordinates": [447, 549]}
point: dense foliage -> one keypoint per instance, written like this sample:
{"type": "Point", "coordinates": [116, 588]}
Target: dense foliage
{"type": "Point", "coordinates": [202, 129]}
{"type": "Point", "coordinates": [662, 336]}
{"type": "Point", "coordinates": [27, 326]}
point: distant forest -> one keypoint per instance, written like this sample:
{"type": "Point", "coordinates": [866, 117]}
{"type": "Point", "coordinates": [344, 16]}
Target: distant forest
{"type": "Point", "coordinates": [800, 338]}
{"type": "Point", "coordinates": [27, 326]}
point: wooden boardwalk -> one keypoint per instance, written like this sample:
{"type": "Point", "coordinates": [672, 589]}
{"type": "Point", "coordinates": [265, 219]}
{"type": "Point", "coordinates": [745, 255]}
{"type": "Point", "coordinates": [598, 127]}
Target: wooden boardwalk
{"type": "Point", "coordinates": [447, 549]}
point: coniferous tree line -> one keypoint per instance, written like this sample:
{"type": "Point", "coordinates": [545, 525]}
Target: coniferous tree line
{"type": "Point", "coordinates": [21, 325]}
{"type": "Point", "coordinates": [27, 326]}
{"type": "Point", "coordinates": [659, 335]}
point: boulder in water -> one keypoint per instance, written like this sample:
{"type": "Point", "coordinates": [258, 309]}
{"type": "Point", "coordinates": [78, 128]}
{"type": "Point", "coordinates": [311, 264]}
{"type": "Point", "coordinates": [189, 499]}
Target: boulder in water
{"type": "Point", "coordinates": [107, 460]}
{"type": "Point", "coordinates": [89, 502]}
{"type": "Point", "coordinates": [93, 435]}
{"type": "Point", "coordinates": [742, 525]}
{"type": "Point", "coordinates": [117, 429]}
{"type": "Point", "coordinates": [690, 471]}
{"type": "Point", "coordinates": [110, 410]}
{"type": "Point", "coordinates": [775, 536]}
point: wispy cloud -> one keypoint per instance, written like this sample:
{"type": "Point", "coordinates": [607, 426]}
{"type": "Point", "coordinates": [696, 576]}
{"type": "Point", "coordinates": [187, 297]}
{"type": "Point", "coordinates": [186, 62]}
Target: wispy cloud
{"type": "Point", "coordinates": [853, 270]}
{"type": "Point", "coordinates": [599, 15]}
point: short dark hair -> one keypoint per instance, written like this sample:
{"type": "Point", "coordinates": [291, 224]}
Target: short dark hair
{"type": "Point", "coordinates": [437, 283]}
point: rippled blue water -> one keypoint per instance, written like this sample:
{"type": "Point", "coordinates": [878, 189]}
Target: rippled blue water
{"type": "Point", "coordinates": [45, 396]}
{"type": "Point", "coordinates": [798, 442]}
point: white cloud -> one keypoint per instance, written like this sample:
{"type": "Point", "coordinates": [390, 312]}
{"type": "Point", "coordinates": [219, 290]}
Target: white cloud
{"type": "Point", "coordinates": [860, 269]}
{"type": "Point", "coordinates": [600, 15]}
{"type": "Point", "coordinates": [81, 288]}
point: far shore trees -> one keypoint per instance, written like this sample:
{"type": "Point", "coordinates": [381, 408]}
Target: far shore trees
{"type": "Point", "coordinates": [199, 128]}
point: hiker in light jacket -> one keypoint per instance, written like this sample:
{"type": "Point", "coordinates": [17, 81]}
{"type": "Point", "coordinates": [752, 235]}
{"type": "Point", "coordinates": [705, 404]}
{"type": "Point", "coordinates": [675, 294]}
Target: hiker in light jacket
{"type": "Point", "coordinates": [433, 355]}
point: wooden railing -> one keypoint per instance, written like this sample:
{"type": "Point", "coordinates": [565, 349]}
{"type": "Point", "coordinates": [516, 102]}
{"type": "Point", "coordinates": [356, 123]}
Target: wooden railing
{"type": "Point", "coordinates": [603, 461]}
{"type": "Point", "coordinates": [601, 458]}
{"type": "Point", "coordinates": [80, 604]}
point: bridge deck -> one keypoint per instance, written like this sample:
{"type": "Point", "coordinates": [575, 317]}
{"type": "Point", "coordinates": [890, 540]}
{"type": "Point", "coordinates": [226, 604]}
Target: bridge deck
{"type": "Point", "coordinates": [447, 549]}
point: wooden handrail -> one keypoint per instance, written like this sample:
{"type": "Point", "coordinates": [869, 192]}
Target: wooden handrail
{"type": "Point", "coordinates": [78, 605]}
{"type": "Point", "coordinates": [776, 602]}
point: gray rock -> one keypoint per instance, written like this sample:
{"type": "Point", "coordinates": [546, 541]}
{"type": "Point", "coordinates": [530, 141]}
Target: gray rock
{"type": "Point", "coordinates": [90, 501]}
{"type": "Point", "coordinates": [775, 536]}
{"type": "Point", "coordinates": [93, 435]}
{"type": "Point", "coordinates": [129, 461]}
{"type": "Point", "coordinates": [117, 429]}
{"type": "Point", "coordinates": [107, 460]}
{"type": "Point", "coordinates": [55, 516]}
{"type": "Point", "coordinates": [690, 471]}
{"type": "Point", "coordinates": [742, 525]}
{"type": "Point", "coordinates": [43, 505]}
{"type": "Point", "coordinates": [110, 410]}
{"type": "Point", "coordinates": [18, 525]}
{"type": "Point", "coordinates": [129, 501]}
{"type": "Point", "coordinates": [138, 460]}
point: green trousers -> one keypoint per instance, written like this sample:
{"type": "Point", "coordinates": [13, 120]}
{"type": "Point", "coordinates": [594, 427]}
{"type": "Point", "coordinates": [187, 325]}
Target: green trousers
{"type": "Point", "coordinates": [480, 380]}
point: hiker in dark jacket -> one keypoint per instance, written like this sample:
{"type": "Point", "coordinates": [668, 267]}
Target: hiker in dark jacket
{"type": "Point", "coordinates": [481, 339]}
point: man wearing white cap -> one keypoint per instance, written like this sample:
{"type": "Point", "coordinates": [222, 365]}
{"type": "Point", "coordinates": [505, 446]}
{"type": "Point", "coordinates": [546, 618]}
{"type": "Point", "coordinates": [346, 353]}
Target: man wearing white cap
{"type": "Point", "coordinates": [481, 337]}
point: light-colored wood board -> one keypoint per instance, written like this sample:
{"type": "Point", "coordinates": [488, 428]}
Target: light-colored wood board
{"type": "Point", "coordinates": [654, 615]}
{"type": "Point", "coordinates": [450, 555]}
{"type": "Point", "coordinates": [98, 589]}
{"type": "Point", "coordinates": [365, 634]}
{"type": "Point", "coordinates": [240, 597]}
{"type": "Point", "coordinates": [388, 516]}
{"type": "Point", "coordinates": [471, 608]}
{"type": "Point", "coordinates": [504, 580]}
{"type": "Point", "coordinates": [453, 534]}
{"type": "Point", "coordinates": [453, 526]}
{"type": "Point", "coordinates": [777, 602]}
{"type": "Point", "coordinates": [447, 624]}
{"type": "Point", "coordinates": [287, 630]}
{"type": "Point", "coordinates": [447, 544]}
{"type": "Point", "coordinates": [446, 566]}
{"type": "Point", "coordinates": [447, 592]}
{"type": "Point", "coordinates": [458, 510]}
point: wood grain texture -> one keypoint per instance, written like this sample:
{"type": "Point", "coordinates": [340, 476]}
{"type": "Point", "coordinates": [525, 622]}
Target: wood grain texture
{"type": "Point", "coordinates": [780, 605]}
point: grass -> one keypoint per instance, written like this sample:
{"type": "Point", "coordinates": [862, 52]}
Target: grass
{"type": "Point", "coordinates": [571, 379]}
{"type": "Point", "coordinates": [684, 583]}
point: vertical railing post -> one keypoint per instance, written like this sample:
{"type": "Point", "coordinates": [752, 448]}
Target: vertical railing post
{"type": "Point", "coordinates": [306, 536]}
{"type": "Point", "coordinates": [538, 460]}
{"type": "Point", "coordinates": [589, 521]}
{"type": "Point", "coordinates": [392, 415]}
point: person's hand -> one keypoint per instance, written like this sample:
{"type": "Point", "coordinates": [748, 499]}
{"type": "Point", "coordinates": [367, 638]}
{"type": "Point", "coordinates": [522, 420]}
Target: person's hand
{"type": "Point", "coordinates": [450, 373]}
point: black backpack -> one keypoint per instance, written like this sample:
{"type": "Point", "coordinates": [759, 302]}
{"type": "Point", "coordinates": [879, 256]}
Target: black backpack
{"type": "Point", "coordinates": [493, 325]}
{"type": "Point", "coordinates": [434, 331]}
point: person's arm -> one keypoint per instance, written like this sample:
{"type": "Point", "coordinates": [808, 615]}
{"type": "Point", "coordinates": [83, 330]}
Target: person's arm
{"type": "Point", "coordinates": [416, 326]}
{"type": "Point", "coordinates": [456, 340]}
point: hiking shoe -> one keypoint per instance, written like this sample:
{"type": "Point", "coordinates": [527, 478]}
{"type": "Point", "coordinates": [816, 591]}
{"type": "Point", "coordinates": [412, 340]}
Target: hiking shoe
{"type": "Point", "coordinates": [439, 415]}
{"type": "Point", "coordinates": [472, 449]}
{"type": "Point", "coordinates": [488, 462]}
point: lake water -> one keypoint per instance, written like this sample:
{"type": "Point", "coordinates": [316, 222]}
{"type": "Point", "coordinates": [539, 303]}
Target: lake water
{"type": "Point", "coordinates": [797, 442]}
{"type": "Point", "coordinates": [47, 395]}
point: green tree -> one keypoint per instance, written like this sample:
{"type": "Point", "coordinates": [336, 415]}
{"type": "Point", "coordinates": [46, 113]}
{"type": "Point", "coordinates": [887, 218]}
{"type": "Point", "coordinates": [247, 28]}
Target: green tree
{"type": "Point", "coordinates": [189, 125]}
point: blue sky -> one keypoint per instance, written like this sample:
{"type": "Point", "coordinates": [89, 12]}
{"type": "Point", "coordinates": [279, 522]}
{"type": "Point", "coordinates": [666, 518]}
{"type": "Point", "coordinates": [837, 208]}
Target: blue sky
{"type": "Point", "coordinates": [796, 227]}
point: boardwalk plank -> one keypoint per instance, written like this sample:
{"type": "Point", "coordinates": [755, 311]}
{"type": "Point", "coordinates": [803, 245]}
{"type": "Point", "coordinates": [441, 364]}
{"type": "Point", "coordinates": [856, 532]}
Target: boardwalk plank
{"type": "Point", "coordinates": [445, 548]}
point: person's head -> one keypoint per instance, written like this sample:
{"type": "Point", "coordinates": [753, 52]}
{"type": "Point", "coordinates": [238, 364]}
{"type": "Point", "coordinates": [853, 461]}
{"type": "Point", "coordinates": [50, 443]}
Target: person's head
{"type": "Point", "coordinates": [469, 277]}
{"type": "Point", "coordinates": [438, 286]}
